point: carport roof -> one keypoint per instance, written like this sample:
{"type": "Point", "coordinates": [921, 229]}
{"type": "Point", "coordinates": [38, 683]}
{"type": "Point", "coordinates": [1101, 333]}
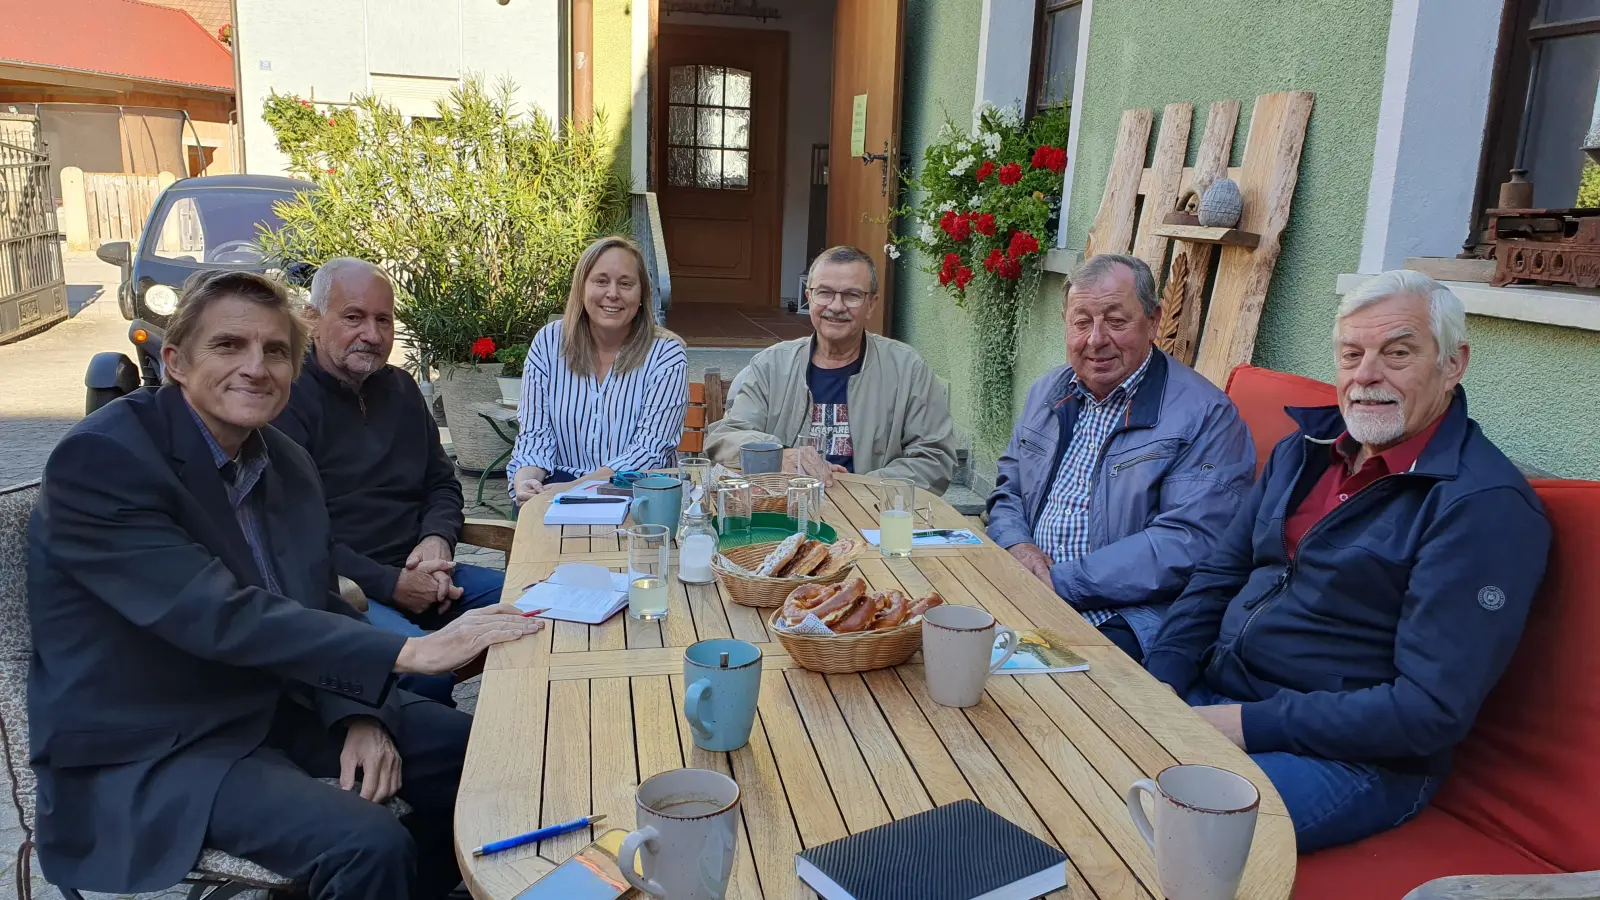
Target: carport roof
{"type": "Point", "coordinates": [125, 38]}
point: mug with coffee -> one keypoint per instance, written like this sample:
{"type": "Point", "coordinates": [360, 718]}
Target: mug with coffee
{"type": "Point", "coordinates": [687, 836]}
{"type": "Point", "coordinates": [958, 652]}
{"type": "Point", "coordinates": [1205, 820]}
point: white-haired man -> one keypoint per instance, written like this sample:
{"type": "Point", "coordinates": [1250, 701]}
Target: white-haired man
{"type": "Point", "coordinates": [392, 493]}
{"type": "Point", "coordinates": [1372, 588]}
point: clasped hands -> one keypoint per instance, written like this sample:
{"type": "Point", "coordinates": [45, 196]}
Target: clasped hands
{"type": "Point", "coordinates": [425, 581]}
{"type": "Point", "coordinates": [807, 461]}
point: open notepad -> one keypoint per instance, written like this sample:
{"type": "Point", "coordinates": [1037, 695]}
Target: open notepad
{"type": "Point", "coordinates": [577, 592]}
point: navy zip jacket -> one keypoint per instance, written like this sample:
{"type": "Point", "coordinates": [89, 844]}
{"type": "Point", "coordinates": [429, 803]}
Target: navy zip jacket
{"type": "Point", "coordinates": [1399, 612]}
{"type": "Point", "coordinates": [387, 478]}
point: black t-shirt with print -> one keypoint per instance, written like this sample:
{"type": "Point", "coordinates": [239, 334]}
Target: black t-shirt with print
{"type": "Point", "coordinates": [830, 412]}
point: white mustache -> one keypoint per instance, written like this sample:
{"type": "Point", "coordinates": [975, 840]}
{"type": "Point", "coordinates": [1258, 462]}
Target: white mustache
{"type": "Point", "coordinates": [364, 348]}
{"type": "Point", "coordinates": [1374, 395]}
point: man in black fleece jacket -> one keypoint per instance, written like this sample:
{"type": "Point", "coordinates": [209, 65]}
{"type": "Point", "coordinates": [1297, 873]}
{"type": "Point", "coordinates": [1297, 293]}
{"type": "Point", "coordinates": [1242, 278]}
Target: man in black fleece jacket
{"type": "Point", "coordinates": [393, 498]}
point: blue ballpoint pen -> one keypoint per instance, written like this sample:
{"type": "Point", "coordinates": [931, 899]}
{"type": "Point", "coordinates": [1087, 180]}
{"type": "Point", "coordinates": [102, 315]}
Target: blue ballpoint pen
{"type": "Point", "coordinates": [543, 833]}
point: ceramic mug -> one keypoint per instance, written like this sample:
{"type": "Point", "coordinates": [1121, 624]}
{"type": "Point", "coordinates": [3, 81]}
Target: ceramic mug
{"type": "Point", "coordinates": [758, 457]}
{"type": "Point", "coordinates": [720, 703]}
{"type": "Point", "coordinates": [657, 500]}
{"type": "Point", "coordinates": [687, 836]}
{"type": "Point", "coordinates": [1205, 820]}
{"type": "Point", "coordinates": [958, 652]}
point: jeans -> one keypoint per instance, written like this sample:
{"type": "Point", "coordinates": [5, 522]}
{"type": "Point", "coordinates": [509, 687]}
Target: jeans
{"type": "Point", "coordinates": [480, 587]}
{"type": "Point", "coordinates": [1117, 630]}
{"type": "Point", "coordinates": [1332, 802]}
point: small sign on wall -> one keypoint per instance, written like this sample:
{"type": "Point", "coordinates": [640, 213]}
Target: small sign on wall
{"type": "Point", "coordinates": [858, 126]}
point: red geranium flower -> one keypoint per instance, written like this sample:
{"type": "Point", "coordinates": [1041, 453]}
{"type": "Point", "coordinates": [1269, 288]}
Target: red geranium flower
{"type": "Point", "coordinates": [961, 229]}
{"type": "Point", "coordinates": [1010, 269]}
{"type": "Point", "coordinates": [1022, 244]}
{"type": "Point", "coordinates": [482, 348]}
{"type": "Point", "coordinates": [1010, 174]}
{"type": "Point", "coordinates": [963, 278]}
{"type": "Point", "coordinates": [985, 224]}
{"type": "Point", "coordinates": [951, 261]}
{"type": "Point", "coordinates": [985, 170]}
{"type": "Point", "coordinates": [1058, 160]}
{"type": "Point", "coordinates": [1041, 156]}
{"type": "Point", "coordinates": [995, 258]}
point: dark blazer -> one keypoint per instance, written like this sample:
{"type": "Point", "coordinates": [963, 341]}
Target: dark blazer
{"type": "Point", "coordinates": [159, 658]}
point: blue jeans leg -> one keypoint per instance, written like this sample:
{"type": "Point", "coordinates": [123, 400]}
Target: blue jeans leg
{"type": "Point", "coordinates": [480, 587]}
{"type": "Point", "coordinates": [1332, 802]}
{"type": "Point", "coordinates": [434, 687]}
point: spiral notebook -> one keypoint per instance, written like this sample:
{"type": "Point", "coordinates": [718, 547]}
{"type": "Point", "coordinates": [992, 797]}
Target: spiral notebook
{"type": "Point", "coordinates": [962, 851]}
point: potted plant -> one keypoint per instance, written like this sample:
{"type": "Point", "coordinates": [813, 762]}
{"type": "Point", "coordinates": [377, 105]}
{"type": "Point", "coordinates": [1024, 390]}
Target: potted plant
{"type": "Point", "coordinates": [511, 358]}
{"type": "Point", "coordinates": [479, 216]}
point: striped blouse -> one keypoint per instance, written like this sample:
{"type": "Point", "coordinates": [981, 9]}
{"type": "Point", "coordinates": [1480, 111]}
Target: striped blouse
{"type": "Point", "coordinates": [575, 424]}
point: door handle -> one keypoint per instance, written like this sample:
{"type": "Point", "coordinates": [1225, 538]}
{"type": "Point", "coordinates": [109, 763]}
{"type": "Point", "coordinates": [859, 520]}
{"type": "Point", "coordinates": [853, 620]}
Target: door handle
{"type": "Point", "coordinates": [868, 159]}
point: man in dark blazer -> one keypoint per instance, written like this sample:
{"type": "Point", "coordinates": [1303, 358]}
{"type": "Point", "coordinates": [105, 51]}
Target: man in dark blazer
{"type": "Point", "coordinates": [194, 670]}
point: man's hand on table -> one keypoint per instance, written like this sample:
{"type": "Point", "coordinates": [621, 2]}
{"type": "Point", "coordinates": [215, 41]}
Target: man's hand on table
{"type": "Point", "coordinates": [461, 642]}
{"type": "Point", "coordinates": [435, 549]}
{"type": "Point", "coordinates": [1227, 719]}
{"type": "Point", "coordinates": [417, 588]}
{"type": "Point", "coordinates": [807, 461]}
{"type": "Point", "coordinates": [1034, 560]}
{"type": "Point", "coordinates": [369, 749]}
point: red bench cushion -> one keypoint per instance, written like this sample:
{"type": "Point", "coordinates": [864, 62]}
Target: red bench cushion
{"type": "Point", "coordinates": [1390, 865]}
{"type": "Point", "coordinates": [1529, 774]}
{"type": "Point", "coordinates": [1261, 395]}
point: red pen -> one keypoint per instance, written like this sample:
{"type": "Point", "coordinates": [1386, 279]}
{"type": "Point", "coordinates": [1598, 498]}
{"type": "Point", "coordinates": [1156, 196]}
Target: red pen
{"type": "Point", "coordinates": [529, 615]}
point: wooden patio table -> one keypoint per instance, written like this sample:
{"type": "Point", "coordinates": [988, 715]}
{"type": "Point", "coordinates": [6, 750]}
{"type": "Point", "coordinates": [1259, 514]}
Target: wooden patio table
{"type": "Point", "coordinates": [570, 720]}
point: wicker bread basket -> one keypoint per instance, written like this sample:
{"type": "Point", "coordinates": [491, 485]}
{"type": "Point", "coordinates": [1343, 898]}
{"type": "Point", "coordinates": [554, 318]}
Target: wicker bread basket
{"type": "Point", "coordinates": [760, 591]}
{"type": "Point", "coordinates": [860, 651]}
{"type": "Point", "coordinates": [776, 484]}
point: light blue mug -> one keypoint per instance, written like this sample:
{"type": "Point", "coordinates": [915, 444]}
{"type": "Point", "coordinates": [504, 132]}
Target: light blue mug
{"type": "Point", "coordinates": [657, 500]}
{"type": "Point", "coordinates": [724, 679]}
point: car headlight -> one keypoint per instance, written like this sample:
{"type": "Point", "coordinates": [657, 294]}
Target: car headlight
{"type": "Point", "coordinates": [161, 300]}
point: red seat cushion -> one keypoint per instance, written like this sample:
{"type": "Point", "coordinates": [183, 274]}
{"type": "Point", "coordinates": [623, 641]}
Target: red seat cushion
{"type": "Point", "coordinates": [1261, 395]}
{"type": "Point", "coordinates": [1529, 773]}
{"type": "Point", "coordinates": [1387, 866]}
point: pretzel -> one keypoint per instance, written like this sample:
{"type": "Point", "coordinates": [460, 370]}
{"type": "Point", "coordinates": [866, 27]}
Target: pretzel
{"type": "Point", "coordinates": [922, 605]}
{"type": "Point", "coordinates": [802, 600]}
{"type": "Point", "coordinates": [893, 609]}
{"type": "Point", "coordinates": [860, 615]}
{"type": "Point", "coordinates": [840, 555]}
{"type": "Point", "coordinates": [780, 555]}
{"type": "Point", "coordinates": [834, 609]}
{"type": "Point", "coordinates": [821, 600]}
{"type": "Point", "coordinates": [811, 555]}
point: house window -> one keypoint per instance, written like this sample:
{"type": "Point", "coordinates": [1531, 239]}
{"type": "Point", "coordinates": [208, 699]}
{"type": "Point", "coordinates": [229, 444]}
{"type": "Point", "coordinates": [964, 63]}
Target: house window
{"type": "Point", "coordinates": [1543, 104]}
{"type": "Point", "coordinates": [708, 128]}
{"type": "Point", "coordinates": [1055, 53]}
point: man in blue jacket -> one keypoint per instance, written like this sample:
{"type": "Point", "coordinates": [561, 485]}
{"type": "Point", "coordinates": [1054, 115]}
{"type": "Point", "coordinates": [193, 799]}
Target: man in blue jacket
{"type": "Point", "coordinates": [393, 497]}
{"type": "Point", "coordinates": [1372, 588]}
{"type": "Point", "coordinates": [1126, 465]}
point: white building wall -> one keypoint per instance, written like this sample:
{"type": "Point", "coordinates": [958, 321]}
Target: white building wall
{"type": "Point", "coordinates": [329, 51]}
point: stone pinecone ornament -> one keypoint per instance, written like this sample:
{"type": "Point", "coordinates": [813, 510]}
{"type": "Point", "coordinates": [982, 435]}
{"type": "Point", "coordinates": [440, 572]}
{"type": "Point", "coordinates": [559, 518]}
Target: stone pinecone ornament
{"type": "Point", "coordinates": [1221, 205]}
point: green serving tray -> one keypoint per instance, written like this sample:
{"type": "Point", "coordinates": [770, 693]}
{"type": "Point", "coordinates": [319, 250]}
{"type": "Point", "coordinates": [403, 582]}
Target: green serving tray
{"type": "Point", "coordinates": [770, 528]}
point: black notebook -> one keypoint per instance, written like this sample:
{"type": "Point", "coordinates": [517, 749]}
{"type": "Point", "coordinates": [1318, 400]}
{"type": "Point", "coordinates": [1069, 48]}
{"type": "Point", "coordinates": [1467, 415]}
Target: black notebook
{"type": "Point", "coordinates": [957, 852]}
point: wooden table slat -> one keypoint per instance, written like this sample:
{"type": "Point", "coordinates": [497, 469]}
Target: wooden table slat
{"type": "Point", "coordinates": [897, 780]}
{"type": "Point", "coordinates": [743, 883]}
{"type": "Point", "coordinates": [613, 767]}
{"type": "Point", "coordinates": [854, 789]}
{"type": "Point", "coordinates": [815, 812]}
{"type": "Point", "coordinates": [566, 771]}
{"type": "Point", "coordinates": [655, 725]}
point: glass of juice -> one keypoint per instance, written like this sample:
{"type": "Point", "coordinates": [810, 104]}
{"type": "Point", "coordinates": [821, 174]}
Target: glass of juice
{"type": "Point", "coordinates": [897, 505]}
{"type": "Point", "coordinates": [649, 549]}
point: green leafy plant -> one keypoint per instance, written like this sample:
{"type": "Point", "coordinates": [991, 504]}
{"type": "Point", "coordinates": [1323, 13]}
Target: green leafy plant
{"type": "Point", "coordinates": [511, 358]}
{"type": "Point", "coordinates": [479, 215]}
{"type": "Point", "coordinates": [985, 209]}
{"type": "Point", "coordinates": [1589, 185]}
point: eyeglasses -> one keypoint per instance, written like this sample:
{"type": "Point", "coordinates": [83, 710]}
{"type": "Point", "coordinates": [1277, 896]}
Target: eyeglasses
{"type": "Point", "coordinates": [826, 296]}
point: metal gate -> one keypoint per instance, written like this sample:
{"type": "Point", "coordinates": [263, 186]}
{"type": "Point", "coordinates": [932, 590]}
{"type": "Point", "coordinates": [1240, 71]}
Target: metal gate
{"type": "Point", "coordinates": [33, 291]}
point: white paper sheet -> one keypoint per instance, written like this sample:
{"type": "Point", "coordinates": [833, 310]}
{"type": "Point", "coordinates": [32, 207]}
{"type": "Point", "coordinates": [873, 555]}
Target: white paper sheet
{"type": "Point", "coordinates": [586, 513]}
{"type": "Point", "coordinates": [959, 538]}
{"type": "Point", "coordinates": [578, 592]}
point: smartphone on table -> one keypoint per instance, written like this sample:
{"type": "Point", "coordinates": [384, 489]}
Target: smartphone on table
{"type": "Point", "coordinates": [593, 873]}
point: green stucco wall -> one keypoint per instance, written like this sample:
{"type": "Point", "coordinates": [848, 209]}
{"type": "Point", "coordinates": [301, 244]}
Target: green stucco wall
{"type": "Point", "coordinates": [1535, 389]}
{"type": "Point", "coordinates": [613, 74]}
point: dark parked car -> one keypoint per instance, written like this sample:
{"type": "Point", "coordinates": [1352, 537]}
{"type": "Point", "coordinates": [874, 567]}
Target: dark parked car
{"type": "Point", "coordinates": [197, 223]}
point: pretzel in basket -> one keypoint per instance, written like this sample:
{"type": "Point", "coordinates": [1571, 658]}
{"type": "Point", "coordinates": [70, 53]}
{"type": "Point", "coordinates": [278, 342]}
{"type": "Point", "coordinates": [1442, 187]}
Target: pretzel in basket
{"type": "Point", "coordinates": [823, 601]}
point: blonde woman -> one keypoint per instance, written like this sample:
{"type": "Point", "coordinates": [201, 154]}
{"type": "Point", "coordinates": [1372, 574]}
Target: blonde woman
{"type": "Point", "coordinates": [604, 389]}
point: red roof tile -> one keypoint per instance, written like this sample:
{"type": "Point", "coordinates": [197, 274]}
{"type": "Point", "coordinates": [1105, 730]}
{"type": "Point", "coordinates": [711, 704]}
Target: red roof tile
{"type": "Point", "coordinates": [114, 37]}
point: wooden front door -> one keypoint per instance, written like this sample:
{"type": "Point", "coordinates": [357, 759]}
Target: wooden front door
{"type": "Point", "coordinates": [719, 132]}
{"type": "Point", "coordinates": [866, 63]}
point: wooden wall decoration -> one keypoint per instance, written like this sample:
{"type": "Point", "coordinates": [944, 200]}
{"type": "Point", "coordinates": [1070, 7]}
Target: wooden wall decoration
{"type": "Point", "coordinates": [1138, 215]}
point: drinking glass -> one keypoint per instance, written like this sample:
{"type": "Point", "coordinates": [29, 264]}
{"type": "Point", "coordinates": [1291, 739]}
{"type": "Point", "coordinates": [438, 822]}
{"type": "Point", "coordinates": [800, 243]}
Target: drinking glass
{"type": "Point", "coordinates": [897, 507]}
{"type": "Point", "coordinates": [693, 470]}
{"type": "Point", "coordinates": [735, 504]}
{"type": "Point", "coordinates": [648, 553]}
{"type": "Point", "coordinates": [805, 503]}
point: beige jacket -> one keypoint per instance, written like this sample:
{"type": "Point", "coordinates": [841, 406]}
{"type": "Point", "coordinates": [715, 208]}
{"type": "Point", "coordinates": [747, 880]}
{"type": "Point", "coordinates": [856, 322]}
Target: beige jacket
{"type": "Point", "coordinates": [899, 412]}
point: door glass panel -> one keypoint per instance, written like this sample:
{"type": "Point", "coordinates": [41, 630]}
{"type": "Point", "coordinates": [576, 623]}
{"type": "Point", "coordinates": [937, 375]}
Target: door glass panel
{"type": "Point", "coordinates": [735, 168]}
{"type": "Point", "coordinates": [708, 128]}
{"type": "Point", "coordinates": [709, 169]}
{"type": "Point", "coordinates": [710, 86]}
{"type": "Point", "coordinates": [681, 88]}
{"type": "Point", "coordinates": [738, 89]}
{"type": "Point", "coordinates": [737, 128]}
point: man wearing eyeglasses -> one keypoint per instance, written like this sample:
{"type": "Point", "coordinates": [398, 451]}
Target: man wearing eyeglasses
{"type": "Point", "coordinates": [843, 400]}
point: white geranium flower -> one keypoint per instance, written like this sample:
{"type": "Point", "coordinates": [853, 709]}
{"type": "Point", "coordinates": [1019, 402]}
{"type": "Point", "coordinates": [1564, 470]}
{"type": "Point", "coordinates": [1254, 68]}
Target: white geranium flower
{"type": "Point", "coordinates": [991, 143]}
{"type": "Point", "coordinates": [946, 206]}
{"type": "Point", "coordinates": [975, 202]}
{"type": "Point", "coordinates": [891, 251]}
{"type": "Point", "coordinates": [926, 233]}
{"type": "Point", "coordinates": [1009, 116]}
{"type": "Point", "coordinates": [961, 166]}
